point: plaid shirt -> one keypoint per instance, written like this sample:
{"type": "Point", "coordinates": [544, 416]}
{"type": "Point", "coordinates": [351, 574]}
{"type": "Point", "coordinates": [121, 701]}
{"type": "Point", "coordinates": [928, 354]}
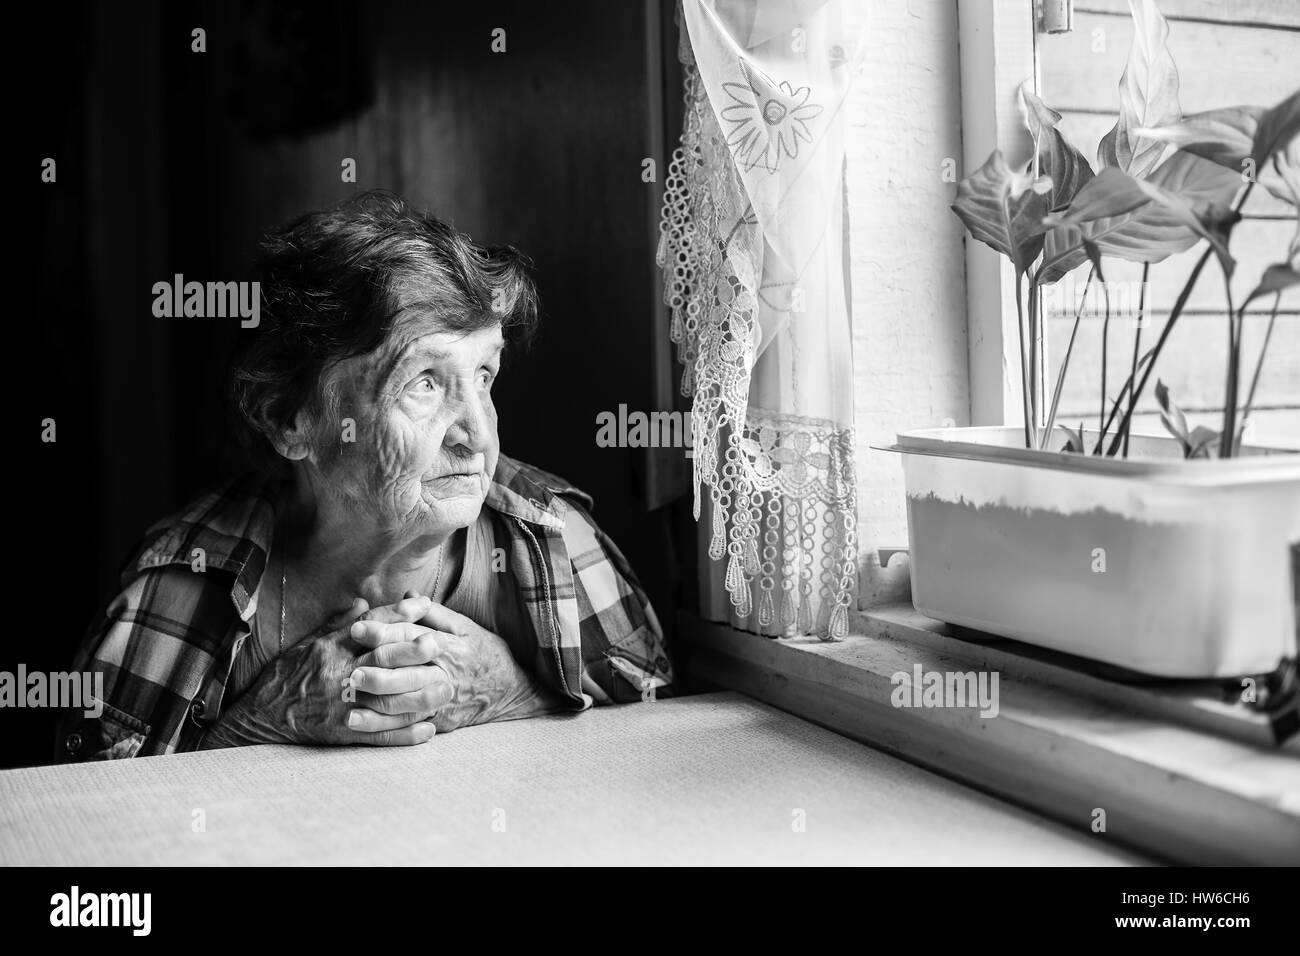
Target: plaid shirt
{"type": "Point", "coordinates": [168, 642]}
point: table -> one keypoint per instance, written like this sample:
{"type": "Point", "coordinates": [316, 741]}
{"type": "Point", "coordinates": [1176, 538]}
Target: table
{"type": "Point", "coordinates": [708, 779]}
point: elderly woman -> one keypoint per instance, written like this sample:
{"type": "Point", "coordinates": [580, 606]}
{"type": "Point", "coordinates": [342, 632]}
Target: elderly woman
{"type": "Point", "coordinates": [385, 573]}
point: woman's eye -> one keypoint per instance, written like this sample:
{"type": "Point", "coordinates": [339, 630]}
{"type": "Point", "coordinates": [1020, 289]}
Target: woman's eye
{"type": "Point", "coordinates": [423, 385]}
{"type": "Point", "coordinates": [486, 378]}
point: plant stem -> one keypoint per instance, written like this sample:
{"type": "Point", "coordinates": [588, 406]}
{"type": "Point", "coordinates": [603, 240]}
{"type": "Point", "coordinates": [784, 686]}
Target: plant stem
{"type": "Point", "coordinates": [1137, 337]}
{"type": "Point", "coordinates": [1169, 326]}
{"type": "Point", "coordinates": [1024, 363]}
{"type": "Point", "coordinates": [1065, 362]}
{"type": "Point", "coordinates": [1105, 346]}
{"type": "Point", "coordinates": [1118, 403]}
{"type": "Point", "coordinates": [1228, 437]}
{"type": "Point", "coordinates": [1125, 390]}
{"type": "Point", "coordinates": [1263, 350]}
{"type": "Point", "coordinates": [1160, 342]}
{"type": "Point", "coordinates": [1035, 357]}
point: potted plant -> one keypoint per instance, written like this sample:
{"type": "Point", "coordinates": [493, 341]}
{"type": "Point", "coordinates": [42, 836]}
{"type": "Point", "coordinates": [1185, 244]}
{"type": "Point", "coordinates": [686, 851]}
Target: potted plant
{"type": "Point", "coordinates": [1172, 555]}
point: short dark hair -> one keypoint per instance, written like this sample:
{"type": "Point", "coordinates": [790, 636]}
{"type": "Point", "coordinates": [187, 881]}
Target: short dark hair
{"type": "Point", "coordinates": [327, 283]}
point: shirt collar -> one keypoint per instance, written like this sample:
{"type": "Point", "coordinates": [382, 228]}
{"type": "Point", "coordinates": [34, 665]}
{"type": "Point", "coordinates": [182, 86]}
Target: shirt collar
{"type": "Point", "coordinates": [530, 493]}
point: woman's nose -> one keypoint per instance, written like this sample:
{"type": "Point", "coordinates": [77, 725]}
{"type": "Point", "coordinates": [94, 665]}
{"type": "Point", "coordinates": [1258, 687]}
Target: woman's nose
{"type": "Point", "coordinates": [471, 427]}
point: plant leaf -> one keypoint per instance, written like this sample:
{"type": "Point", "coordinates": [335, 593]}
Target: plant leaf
{"type": "Point", "coordinates": [1101, 207]}
{"type": "Point", "coordinates": [1173, 418]}
{"type": "Point", "coordinates": [1005, 210]}
{"type": "Point", "coordinates": [1281, 177]}
{"type": "Point", "coordinates": [1282, 275]}
{"type": "Point", "coordinates": [1225, 136]}
{"type": "Point", "coordinates": [1276, 129]}
{"type": "Point", "coordinates": [1093, 252]}
{"type": "Point", "coordinates": [1122, 219]}
{"type": "Point", "coordinates": [1201, 440]}
{"type": "Point", "coordinates": [1279, 276]}
{"type": "Point", "coordinates": [1067, 167]}
{"type": "Point", "coordinates": [1062, 253]}
{"type": "Point", "coordinates": [1212, 221]}
{"type": "Point", "coordinates": [1287, 164]}
{"type": "Point", "coordinates": [1075, 441]}
{"type": "Point", "coordinates": [1148, 95]}
{"type": "Point", "coordinates": [1111, 193]}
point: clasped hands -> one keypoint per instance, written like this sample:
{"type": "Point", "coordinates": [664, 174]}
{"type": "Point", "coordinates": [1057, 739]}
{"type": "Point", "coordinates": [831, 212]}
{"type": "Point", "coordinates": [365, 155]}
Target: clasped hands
{"type": "Point", "coordinates": [386, 676]}
{"type": "Point", "coordinates": [414, 670]}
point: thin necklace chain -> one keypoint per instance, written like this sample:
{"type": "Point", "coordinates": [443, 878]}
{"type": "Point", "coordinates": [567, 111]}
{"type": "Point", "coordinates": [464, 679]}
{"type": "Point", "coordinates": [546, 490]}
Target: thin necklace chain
{"type": "Point", "coordinates": [284, 580]}
{"type": "Point", "coordinates": [284, 577]}
{"type": "Point", "coordinates": [442, 553]}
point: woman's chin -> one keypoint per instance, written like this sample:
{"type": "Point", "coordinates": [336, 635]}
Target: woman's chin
{"type": "Point", "coordinates": [454, 510]}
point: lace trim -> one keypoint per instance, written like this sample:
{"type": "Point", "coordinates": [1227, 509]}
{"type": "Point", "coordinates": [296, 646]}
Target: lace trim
{"type": "Point", "coordinates": [782, 486]}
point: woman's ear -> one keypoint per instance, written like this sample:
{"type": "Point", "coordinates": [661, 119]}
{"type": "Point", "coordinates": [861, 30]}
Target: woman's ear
{"type": "Point", "coordinates": [293, 440]}
{"type": "Point", "coordinates": [290, 440]}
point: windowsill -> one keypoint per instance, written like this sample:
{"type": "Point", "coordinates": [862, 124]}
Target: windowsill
{"type": "Point", "coordinates": [1178, 774]}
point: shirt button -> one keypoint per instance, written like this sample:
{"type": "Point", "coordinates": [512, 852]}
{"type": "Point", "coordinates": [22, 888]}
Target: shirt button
{"type": "Point", "coordinates": [73, 743]}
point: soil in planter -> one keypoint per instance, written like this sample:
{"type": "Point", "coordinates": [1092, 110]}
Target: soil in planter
{"type": "Point", "coordinates": [1093, 583]}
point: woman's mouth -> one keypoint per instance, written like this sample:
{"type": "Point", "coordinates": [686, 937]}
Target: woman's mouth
{"type": "Point", "coordinates": [457, 478]}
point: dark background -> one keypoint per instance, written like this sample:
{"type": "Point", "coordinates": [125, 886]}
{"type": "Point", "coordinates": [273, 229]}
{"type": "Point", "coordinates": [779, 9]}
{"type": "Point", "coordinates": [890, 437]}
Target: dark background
{"type": "Point", "coordinates": [173, 161]}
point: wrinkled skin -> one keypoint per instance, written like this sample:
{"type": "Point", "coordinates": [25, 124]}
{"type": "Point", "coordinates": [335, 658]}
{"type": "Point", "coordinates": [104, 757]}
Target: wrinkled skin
{"type": "Point", "coordinates": [474, 678]}
{"type": "Point", "coordinates": [422, 460]}
{"type": "Point", "coordinates": [306, 694]}
{"type": "Point", "coordinates": [365, 524]}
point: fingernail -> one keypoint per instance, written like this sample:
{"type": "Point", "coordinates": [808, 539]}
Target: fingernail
{"type": "Point", "coordinates": [356, 678]}
{"type": "Point", "coordinates": [354, 719]}
{"type": "Point", "coordinates": [358, 628]}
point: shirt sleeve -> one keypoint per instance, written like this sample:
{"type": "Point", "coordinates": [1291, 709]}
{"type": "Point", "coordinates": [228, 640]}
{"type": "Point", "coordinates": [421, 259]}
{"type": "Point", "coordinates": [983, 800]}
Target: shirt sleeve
{"type": "Point", "coordinates": [625, 656]}
{"type": "Point", "coordinates": [148, 656]}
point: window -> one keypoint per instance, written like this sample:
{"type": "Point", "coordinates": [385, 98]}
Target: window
{"type": "Point", "coordinates": [1230, 53]}
{"type": "Point", "coordinates": [934, 317]}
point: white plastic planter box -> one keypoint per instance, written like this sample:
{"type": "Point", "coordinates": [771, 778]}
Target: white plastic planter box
{"type": "Point", "coordinates": [1164, 566]}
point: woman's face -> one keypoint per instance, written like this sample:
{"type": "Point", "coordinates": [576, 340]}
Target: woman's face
{"type": "Point", "coordinates": [424, 428]}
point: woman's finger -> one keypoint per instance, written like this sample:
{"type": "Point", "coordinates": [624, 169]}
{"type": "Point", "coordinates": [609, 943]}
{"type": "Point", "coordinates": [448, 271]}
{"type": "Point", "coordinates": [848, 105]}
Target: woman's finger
{"type": "Point", "coordinates": [342, 619]}
{"type": "Point", "coordinates": [425, 649]}
{"type": "Point", "coordinates": [364, 720]}
{"type": "Point", "coordinates": [392, 680]}
{"type": "Point", "coordinates": [424, 702]}
{"type": "Point", "coordinates": [410, 608]}
{"type": "Point", "coordinates": [374, 634]}
{"type": "Point", "coordinates": [417, 733]}
{"type": "Point", "coordinates": [443, 618]}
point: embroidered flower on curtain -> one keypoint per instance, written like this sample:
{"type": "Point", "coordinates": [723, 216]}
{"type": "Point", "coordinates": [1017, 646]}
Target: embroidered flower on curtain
{"type": "Point", "coordinates": [793, 455]}
{"type": "Point", "coordinates": [768, 119]}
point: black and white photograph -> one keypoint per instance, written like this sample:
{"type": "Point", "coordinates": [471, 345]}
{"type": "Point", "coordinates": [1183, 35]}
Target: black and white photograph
{"type": "Point", "coordinates": [658, 433]}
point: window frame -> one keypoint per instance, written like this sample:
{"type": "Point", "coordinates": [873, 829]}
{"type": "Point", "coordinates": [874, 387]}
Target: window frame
{"type": "Point", "coordinates": [998, 52]}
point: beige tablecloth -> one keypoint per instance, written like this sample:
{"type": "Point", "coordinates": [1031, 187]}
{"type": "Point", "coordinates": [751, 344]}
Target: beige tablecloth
{"type": "Point", "coordinates": [717, 778]}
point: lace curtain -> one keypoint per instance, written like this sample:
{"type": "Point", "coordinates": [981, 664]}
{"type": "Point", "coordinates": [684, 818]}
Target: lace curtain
{"type": "Point", "coordinates": [751, 246]}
